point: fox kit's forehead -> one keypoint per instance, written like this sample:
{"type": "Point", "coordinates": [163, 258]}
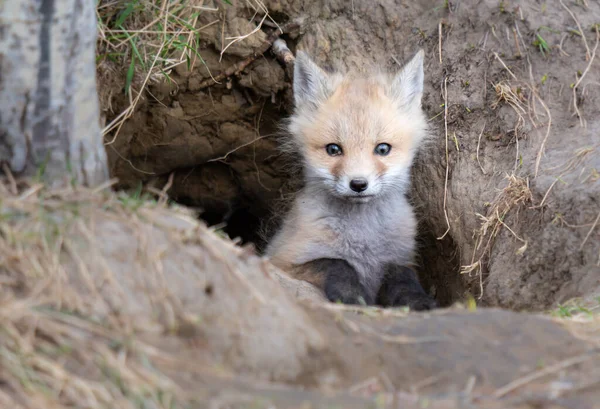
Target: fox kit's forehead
{"type": "Point", "coordinates": [359, 111]}
{"type": "Point", "coordinates": [359, 90]}
{"type": "Point", "coordinates": [357, 98]}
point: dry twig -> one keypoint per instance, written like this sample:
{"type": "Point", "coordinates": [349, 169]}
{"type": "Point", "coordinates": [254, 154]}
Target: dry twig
{"type": "Point", "coordinates": [440, 41]}
{"type": "Point", "coordinates": [587, 236]}
{"type": "Point", "coordinates": [577, 112]}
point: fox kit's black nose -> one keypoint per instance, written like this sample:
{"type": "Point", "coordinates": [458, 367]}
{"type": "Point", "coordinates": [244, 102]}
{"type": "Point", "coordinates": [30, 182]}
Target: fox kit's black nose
{"type": "Point", "coordinates": [359, 185]}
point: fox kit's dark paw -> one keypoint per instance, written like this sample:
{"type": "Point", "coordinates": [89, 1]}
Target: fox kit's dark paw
{"type": "Point", "coordinates": [416, 301]}
{"type": "Point", "coordinates": [420, 302]}
{"type": "Point", "coordinates": [346, 292]}
{"type": "Point", "coordinates": [341, 283]}
{"type": "Point", "coordinates": [401, 288]}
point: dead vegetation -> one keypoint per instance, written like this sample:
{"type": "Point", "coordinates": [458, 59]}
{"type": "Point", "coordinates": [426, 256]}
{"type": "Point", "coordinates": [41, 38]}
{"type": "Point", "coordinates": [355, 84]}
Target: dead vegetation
{"type": "Point", "coordinates": [515, 195]}
{"type": "Point", "coordinates": [523, 94]}
{"type": "Point", "coordinates": [150, 39]}
{"type": "Point", "coordinates": [60, 343]}
{"type": "Point", "coordinates": [147, 40]}
{"type": "Point", "coordinates": [108, 300]}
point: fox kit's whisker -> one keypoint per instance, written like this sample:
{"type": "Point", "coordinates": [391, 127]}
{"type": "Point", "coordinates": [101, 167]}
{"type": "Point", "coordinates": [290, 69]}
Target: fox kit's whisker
{"type": "Point", "coordinates": [351, 230]}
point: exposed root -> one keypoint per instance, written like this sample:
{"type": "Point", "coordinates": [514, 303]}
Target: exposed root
{"type": "Point", "coordinates": [282, 52]}
{"type": "Point", "coordinates": [546, 194]}
{"type": "Point", "coordinates": [580, 158]}
{"type": "Point", "coordinates": [440, 41]}
{"type": "Point", "coordinates": [538, 158]}
{"type": "Point", "coordinates": [560, 45]}
{"type": "Point", "coordinates": [478, 144]}
{"type": "Point", "coordinates": [447, 158]}
{"type": "Point", "coordinates": [284, 55]}
{"type": "Point", "coordinates": [224, 157]}
{"type": "Point", "coordinates": [505, 66]}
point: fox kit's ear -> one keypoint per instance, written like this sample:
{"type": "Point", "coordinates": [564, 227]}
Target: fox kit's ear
{"type": "Point", "coordinates": [407, 86]}
{"type": "Point", "coordinates": [310, 81]}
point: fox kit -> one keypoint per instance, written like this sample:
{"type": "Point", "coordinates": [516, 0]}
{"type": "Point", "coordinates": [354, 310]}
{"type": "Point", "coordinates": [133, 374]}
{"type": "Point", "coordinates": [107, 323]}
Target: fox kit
{"type": "Point", "coordinates": [351, 230]}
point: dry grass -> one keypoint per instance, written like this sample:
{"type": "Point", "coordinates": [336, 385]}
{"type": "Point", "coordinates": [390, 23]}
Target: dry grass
{"type": "Point", "coordinates": [137, 33]}
{"type": "Point", "coordinates": [513, 96]}
{"type": "Point", "coordinates": [146, 40]}
{"type": "Point", "coordinates": [514, 195]}
{"type": "Point", "coordinates": [141, 42]}
{"type": "Point", "coordinates": [505, 93]}
{"type": "Point", "coordinates": [510, 95]}
{"type": "Point", "coordinates": [65, 341]}
{"type": "Point", "coordinates": [122, 301]}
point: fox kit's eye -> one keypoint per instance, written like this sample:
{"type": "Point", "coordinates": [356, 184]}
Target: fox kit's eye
{"type": "Point", "coordinates": [333, 149]}
{"type": "Point", "coordinates": [383, 149]}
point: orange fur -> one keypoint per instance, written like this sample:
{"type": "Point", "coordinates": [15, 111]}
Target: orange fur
{"type": "Point", "coordinates": [359, 116]}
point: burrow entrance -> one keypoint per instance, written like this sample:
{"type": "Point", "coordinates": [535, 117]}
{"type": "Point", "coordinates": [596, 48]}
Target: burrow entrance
{"type": "Point", "coordinates": [215, 149]}
{"type": "Point", "coordinates": [245, 187]}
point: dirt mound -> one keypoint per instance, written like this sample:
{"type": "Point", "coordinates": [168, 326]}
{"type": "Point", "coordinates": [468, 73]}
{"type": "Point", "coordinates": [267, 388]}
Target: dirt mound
{"type": "Point", "coordinates": [115, 300]}
{"type": "Point", "coordinates": [508, 188]}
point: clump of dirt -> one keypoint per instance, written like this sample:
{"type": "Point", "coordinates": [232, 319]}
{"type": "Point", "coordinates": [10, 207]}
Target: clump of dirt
{"type": "Point", "coordinates": [509, 93]}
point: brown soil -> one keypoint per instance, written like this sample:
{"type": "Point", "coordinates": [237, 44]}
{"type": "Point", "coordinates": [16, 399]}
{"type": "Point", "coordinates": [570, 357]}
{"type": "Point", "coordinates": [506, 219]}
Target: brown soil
{"type": "Point", "coordinates": [221, 144]}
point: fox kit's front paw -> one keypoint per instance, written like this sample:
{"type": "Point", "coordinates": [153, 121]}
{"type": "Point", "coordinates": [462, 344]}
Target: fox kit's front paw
{"type": "Point", "coordinates": [341, 282]}
{"type": "Point", "coordinates": [420, 302]}
{"type": "Point", "coordinates": [401, 288]}
{"type": "Point", "coordinates": [346, 292]}
{"type": "Point", "coordinates": [416, 301]}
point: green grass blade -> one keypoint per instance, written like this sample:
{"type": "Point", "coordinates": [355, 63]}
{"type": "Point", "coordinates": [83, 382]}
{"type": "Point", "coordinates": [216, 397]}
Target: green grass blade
{"type": "Point", "coordinates": [135, 49]}
{"type": "Point", "coordinates": [125, 13]}
{"type": "Point", "coordinates": [130, 73]}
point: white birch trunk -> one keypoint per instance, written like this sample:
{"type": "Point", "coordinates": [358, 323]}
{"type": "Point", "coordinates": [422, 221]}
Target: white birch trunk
{"type": "Point", "coordinates": [49, 115]}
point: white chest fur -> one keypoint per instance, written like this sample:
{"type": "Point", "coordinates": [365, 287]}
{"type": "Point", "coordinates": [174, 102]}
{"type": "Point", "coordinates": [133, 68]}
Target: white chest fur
{"type": "Point", "coordinates": [366, 235]}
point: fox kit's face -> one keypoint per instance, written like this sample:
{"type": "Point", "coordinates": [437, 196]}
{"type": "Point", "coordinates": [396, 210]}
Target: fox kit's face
{"type": "Point", "coordinates": [357, 135]}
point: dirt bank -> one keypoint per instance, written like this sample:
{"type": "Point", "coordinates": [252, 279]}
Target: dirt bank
{"type": "Point", "coordinates": [510, 216]}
